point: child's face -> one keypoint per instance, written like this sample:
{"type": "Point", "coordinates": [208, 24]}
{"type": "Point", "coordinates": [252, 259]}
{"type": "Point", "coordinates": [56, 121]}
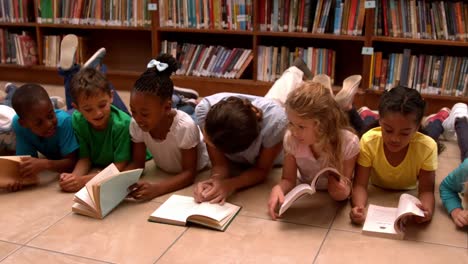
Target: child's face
{"type": "Point", "coordinates": [303, 130]}
{"type": "Point", "coordinates": [41, 119]}
{"type": "Point", "coordinates": [96, 109]}
{"type": "Point", "coordinates": [148, 110]}
{"type": "Point", "coordinates": [397, 130]}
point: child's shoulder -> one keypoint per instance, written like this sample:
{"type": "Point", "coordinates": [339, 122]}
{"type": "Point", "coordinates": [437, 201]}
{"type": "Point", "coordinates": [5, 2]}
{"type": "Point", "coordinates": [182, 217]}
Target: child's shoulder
{"type": "Point", "coordinates": [423, 141]}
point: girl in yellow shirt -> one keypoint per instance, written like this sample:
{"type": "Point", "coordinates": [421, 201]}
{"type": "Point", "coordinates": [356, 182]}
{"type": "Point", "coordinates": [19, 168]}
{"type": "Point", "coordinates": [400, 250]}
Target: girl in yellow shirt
{"type": "Point", "coordinates": [395, 155]}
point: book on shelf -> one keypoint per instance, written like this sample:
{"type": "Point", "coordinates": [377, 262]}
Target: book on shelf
{"type": "Point", "coordinates": [389, 222]}
{"type": "Point", "coordinates": [18, 49]}
{"type": "Point", "coordinates": [9, 174]}
{"type": "Point", "coordinates": [180, 210]}
{"type": "Point", "coordinates": [17, 11]}
{"type": "Point", "coordinates": [307, 189]}
{"type": "Point", "coordinates": [104, 191]}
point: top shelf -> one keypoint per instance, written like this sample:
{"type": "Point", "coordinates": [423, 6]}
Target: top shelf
{"type": "Point", "coordinates": [73, 26]}
{"type": "Point", "coordinates": [421, 41]}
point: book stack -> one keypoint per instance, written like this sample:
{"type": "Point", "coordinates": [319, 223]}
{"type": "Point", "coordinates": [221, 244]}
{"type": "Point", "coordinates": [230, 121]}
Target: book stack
{"type": "Point", "coordinates": [206, 14]}
{"type": "Point", "coordinates": [17, 48]}
{"type": "Point", "coordinates": [273, 61]}
{"type": "Point", "coordinates": [95, 12]}
{"type": "Point", "coordinates": [422, 19]}
{"type": "Point", "coordinates": [429, 74]}
{"type": "Point", "coordinates": [208, 61]}
{"type": "Point", "coordinates": [16, 11]}
{"type": "Point", "coordinates": [344, 17]}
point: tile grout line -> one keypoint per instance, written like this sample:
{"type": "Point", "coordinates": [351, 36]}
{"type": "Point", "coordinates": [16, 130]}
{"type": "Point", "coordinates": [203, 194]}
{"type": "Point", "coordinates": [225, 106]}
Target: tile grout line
{"type": "Point", "coordinates": [170, 246]}
{"type": "Point", "coordinates": [284, 221]}
{"type": "Point", "coordinates": [11, 253]}
{"type": "Point", "coordinates": [68, 254]}
{"type": "Point", "coordinates": [325, 237]}
{"type": "Point", "coordinates": [47, 228]}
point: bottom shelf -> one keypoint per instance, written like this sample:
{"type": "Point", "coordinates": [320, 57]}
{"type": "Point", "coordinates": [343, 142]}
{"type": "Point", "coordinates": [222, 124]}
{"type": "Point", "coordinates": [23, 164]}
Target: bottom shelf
{"type": "Point", "coordinates": [124, 80]}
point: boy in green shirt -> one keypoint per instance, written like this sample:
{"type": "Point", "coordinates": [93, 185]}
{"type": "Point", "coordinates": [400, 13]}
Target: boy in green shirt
{"type": "Point", "coordinates": [102, 130]}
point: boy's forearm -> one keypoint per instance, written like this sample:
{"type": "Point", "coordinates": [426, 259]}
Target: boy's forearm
{"type": "Point", "coordinates": [82, 167]}
{"type": "Point", "coordinates": [63, 165]}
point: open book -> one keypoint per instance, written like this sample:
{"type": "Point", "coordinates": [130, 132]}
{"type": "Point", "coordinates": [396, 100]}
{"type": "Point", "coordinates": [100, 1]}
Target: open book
{"type": "Point", "coordinates": [304, 188]}
{"type": "Point", "coordinates": [389, 221]}
{"type": "Point", "coordinates": [178, 210]}
{"type": "Point", "coordinates": [104, 191]}
{"type": "Point", "coordinates": [9, 171]}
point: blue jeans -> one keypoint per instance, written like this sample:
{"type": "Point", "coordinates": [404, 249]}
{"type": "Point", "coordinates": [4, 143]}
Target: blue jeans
{"type": "Point", "coordinates": [180, 105]}
{"type": "Point", "coordinates": [434, 129]}
{"type": "Point", "coordinates": [68, 76]}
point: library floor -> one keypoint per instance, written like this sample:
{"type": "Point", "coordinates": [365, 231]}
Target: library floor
{"type": "Point", "coordinates": [37, 226]}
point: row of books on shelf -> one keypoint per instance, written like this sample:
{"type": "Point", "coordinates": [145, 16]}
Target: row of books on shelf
{"type": "Point", "coordinates": [429, 74]}
{"type": "Point", "coordinates": [208, 61]}
{"type": "Point", "coordinates": [206, 14]}
{"type": "Point", "coordinates": [17, 49]}
{"type": "Point", "coordinates": [16, 11]}
{"type": "Point", "coordinates": [320, 16]}
{"type": "Point", "coordinates": [51, 50]}
{"type": "Point", "coordinates": [422, 19]}
{"type": "Point", "coordinates": [95, 12]}
{"type": "Point", "coordinates": [273, 61]}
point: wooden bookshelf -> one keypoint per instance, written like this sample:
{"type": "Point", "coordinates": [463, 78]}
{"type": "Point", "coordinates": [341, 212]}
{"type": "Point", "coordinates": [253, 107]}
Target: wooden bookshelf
{"type": "Point", "coordinates": [130, 48]}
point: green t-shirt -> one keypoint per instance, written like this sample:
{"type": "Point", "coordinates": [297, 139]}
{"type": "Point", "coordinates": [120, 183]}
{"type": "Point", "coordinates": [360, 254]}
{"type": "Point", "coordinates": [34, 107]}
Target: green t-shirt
{"type": "Point", "coordinates": [103, 147]}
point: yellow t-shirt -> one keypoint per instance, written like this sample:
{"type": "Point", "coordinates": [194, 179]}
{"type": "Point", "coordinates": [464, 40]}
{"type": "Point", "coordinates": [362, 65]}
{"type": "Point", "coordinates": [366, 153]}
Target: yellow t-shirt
{"type": "Point", "coordinates": [422, 154]}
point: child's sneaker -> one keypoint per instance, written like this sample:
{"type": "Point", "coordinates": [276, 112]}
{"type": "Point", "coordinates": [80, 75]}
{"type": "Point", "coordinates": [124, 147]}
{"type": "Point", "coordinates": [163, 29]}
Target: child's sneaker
{"type": "Point", "coordinates": [57, 102]}
{"type": "Point", "coordinates": [68, 48]}
{"type": "Point", "coordinates": [96, 59]}
{"type": "Point", "coordinates": [301, 65]}
{"type": "Point", "coordinates": [186, 92]}
{"type": "Point", "coordinates": [366, 112]}
{"type": "Point", "coordinates": [324, 80]}
{"type": "Point", "coordinates": [441, 116]}
{"type": "Point", "coordinates": [458, 110]}
{"type": "Point", "coordinates": [345, 96]}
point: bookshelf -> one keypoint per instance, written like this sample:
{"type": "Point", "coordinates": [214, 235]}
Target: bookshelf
{"type": "Point", "coordinates": [130, 48]}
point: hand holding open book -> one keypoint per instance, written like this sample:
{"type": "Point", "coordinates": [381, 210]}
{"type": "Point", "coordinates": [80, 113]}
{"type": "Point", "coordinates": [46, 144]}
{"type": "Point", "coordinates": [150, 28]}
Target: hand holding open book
{"type": "Point", "coordinates": [10, 174]}
{"type": "Point", "coordinates": [389, 221]}
{"type": "Point", "coordinates": [304, 188]}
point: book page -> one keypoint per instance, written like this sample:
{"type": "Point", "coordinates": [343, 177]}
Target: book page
{"type": "Point", "coordinates": [407, 206]}
{"type": "Point", "coordinates": [83, 195]}
{"type": "Point", "coordinates": [328, 171]}
{"type": "Point", "coordinates": [113, 190]}
{"type": "Point", "coordinates": [176, 209]}
{"type": "Point", "coordinates": [214, 211]}
{"type": "Point", "coordinates": [295, 194]}
{"type": "Point", "coordinates": [380, 219]}
{"type": "Point", "coordinates": [108, 172]}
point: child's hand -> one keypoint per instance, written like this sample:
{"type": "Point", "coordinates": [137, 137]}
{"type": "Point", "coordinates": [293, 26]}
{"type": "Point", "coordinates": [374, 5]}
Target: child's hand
{"type": "Point", "coordinates": [358, 215]}
{"type": "Point", "coordinates": [71, 183]}
{"type": "Point", "coordinates": [143, 190]}
{"type": "Point", "coordinates": [276, 198]}
{"type": "Point", "coordinates": [217, 193]}
{"type": "Point", "coordinates": [199, 189]}
{"type": "Point", "coordinates": [427, 215]}
{"type": "Point", "coordinates": [30, 167]}
{"type": "Point", "coordinates": [13, 187]}
{"type": "Point", "coordinates": [460, 217]}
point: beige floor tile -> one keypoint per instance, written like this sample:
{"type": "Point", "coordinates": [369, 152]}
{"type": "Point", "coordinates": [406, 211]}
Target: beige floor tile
{"type": "Point", "coordinates": [452, 150]}
{"type": "Point", "coordinates": [31, 211]}
{"type": "Point", "coordinates": [248, 240]}
{"type": "Point", "coordinates": [6, 248]}
{"type": "Point", "coordinates": [124, 236]}
{"type": "Point", "coordinates": [349, 247]}
{"type": "Point", "coordinates": [37, 256]}
{"type": "Point", "coordinates": [440, 230]}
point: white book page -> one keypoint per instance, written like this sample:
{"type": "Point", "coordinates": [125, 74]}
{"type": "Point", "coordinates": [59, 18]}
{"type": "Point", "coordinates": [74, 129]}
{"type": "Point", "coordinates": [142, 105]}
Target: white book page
{"type": "Point", "coordinates": [176, 208]}
{"type": "Point", "coordinates": [407, 206]}
{"type": "Point", "coordinates": [295, 194]}
{"type": "Point", "coordinates": [109, 171]}
{"type": "Point", "coordinates": [380, 219]}
{"type": "Point", "coordinates": [83, 195]}
{"type": "Point", "coordinates": [214, 211]}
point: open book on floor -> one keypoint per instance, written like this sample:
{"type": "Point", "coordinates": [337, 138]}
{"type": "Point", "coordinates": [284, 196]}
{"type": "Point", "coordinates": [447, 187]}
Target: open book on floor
{"type": "Point", "coordinates": [104, 191]}
{"type": "Point", "coordinates": [178, 210]}
{"type": "Point", "coordinates": [389, 221]}
{"type": "Point", "coordinates": [9, 171]}
{"type": "Point", "coordinates": [304, 188]}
